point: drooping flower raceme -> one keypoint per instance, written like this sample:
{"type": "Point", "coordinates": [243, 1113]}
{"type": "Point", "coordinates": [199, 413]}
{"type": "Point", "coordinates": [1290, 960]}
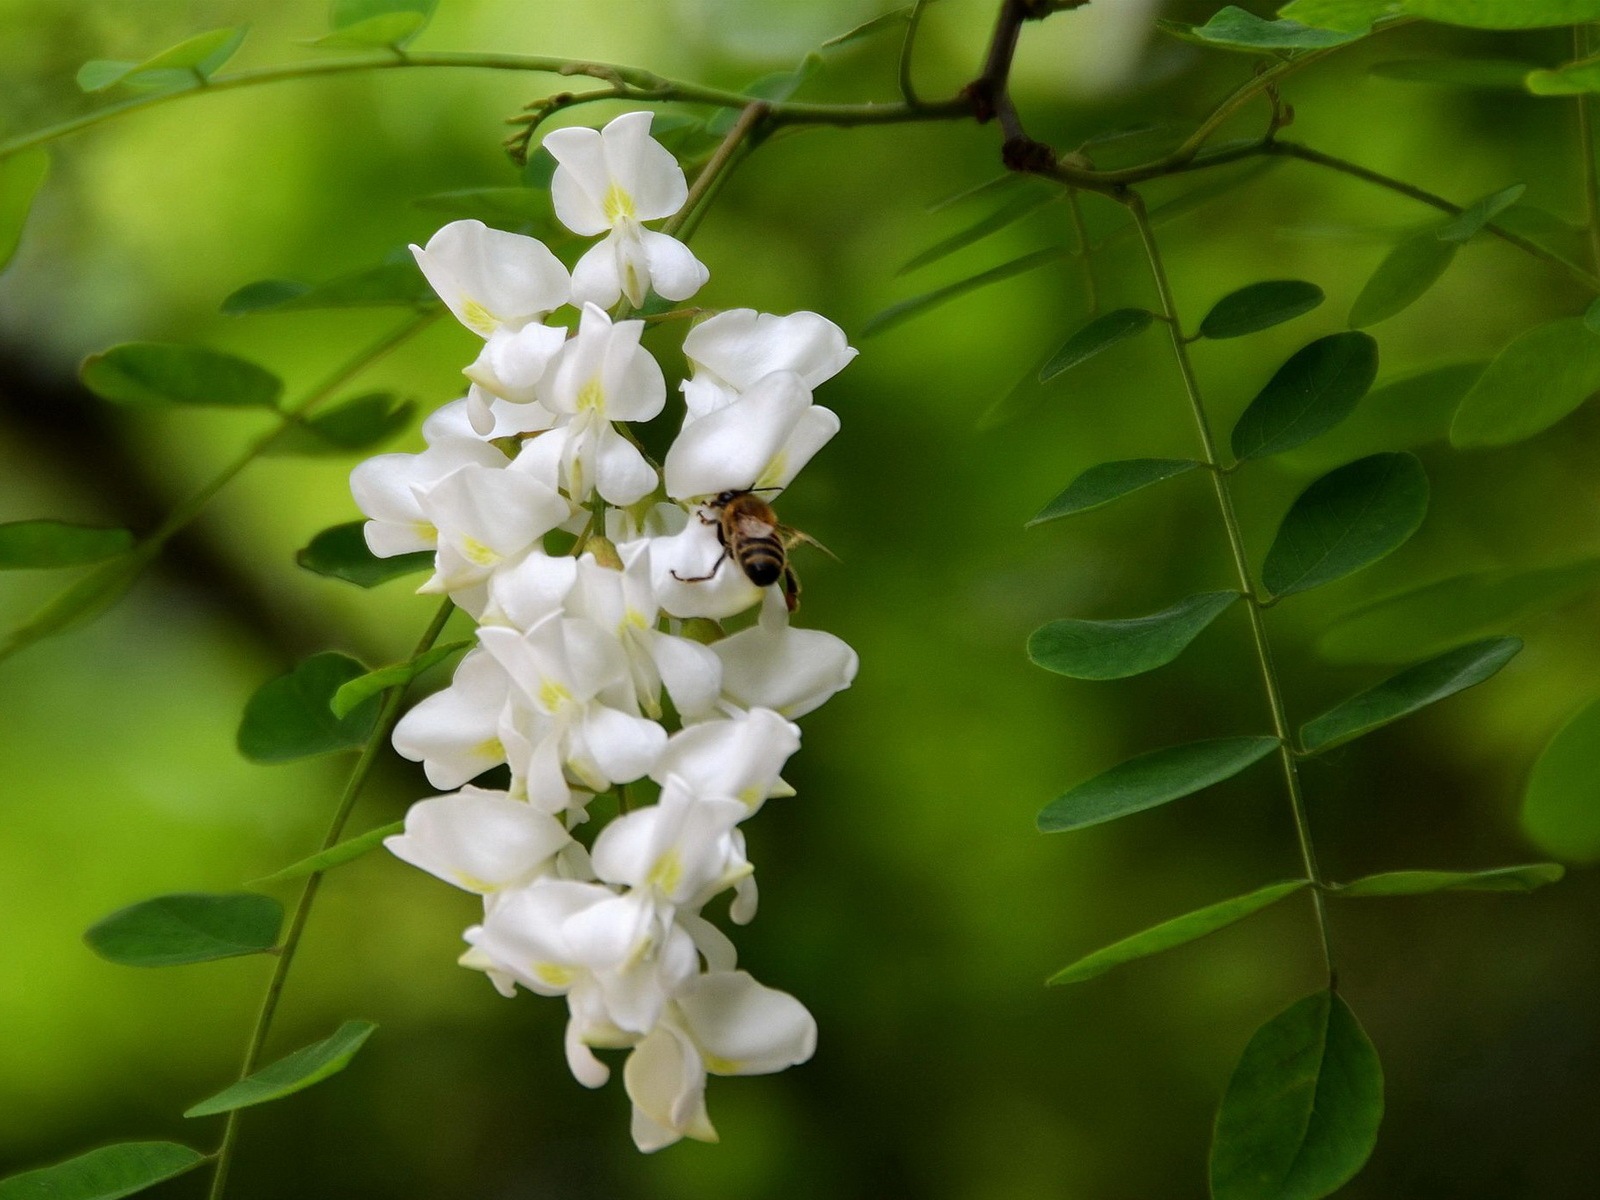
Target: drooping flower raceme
{"type": "Point", "coordinates": [585, 694]}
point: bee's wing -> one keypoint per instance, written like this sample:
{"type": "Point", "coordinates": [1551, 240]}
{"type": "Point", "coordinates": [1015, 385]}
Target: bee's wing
{"type": "Point", "coordinates": [793, 537]}
{"type": "Point", "coordinates": [752, 527]}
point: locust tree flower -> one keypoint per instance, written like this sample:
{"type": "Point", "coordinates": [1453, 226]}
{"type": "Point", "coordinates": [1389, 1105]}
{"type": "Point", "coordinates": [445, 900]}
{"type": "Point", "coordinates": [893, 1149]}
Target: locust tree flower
{"type": "Point", "coordinates": [507, 369]}
{"type": "Point", "coordinates": [456, 733]}
{"type": "Point", "coordinates": [385, 489]}
{"type": "Point", "coordinates": [680, 852]}
{"type": "Point", "coordinates": [493, 280]}
{"type": "Point", "coordinates": [608, 181]}
{"type": "Point", "coordinates": [693, 576]}
{"type": "Point", "coordinates": [722, 1023]}
{"type": "Point", "coordinates": [485, 517]}
{"type": "Point", "coordinates": [734, 350]}
{"type": "Point", "coordinates": [758, 440]}
{"type": "Point", "coordinates": [773, 665]}
{"type": "Point", "coordinates": [481, 841]}
{"type": "Point", "coordinates": [739, 758]}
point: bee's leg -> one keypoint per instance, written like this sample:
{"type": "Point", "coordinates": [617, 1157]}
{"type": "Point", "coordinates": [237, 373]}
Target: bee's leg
{"type": "Point", "coordinates": [712, 574]}
{"type": "Point", "coordinates": [791, 588]}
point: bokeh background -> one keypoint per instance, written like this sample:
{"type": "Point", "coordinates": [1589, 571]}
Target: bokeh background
{"type": "Point", "coordinates": [906, 896]}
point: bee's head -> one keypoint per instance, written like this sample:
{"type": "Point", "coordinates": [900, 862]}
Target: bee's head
{"type": "Point", "coordinates": [725, 498]}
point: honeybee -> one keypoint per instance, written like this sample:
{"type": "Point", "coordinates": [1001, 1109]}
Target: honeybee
{"type": "Point", "coordinates": [758, 543]}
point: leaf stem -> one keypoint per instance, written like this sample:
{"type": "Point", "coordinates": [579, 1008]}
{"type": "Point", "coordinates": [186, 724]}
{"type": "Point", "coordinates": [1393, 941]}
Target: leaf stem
{"type": "Point", "coordinates": [1241, 567]}
{"type": "Point", "coordinates": [1081, 229]}
{"type": "Point", "coordinates": [388, 715]}
{"type": "Point", "coordinates": [908, 90]}
{"type": "Point", "coordinates": [705, 182]}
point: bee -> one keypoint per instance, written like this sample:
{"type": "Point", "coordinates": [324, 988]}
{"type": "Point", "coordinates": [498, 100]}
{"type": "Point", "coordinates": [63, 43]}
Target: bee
{"type": "Point", "coordinates": [757, 542]}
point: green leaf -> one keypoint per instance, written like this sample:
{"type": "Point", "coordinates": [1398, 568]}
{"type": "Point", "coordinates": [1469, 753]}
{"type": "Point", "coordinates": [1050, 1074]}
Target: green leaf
{"type": "Point", "coordinates": [1591, 317]}
{"type": "Point", "coordinates": [503, 207]}
{"type": "Point", "coordinates": [1348, 16]}
{"type": "Point", "coordinates": [58, 544]}
{"type": "Point", "coordinates": [1119, 649]}
{"type": "Point", "coordinates": [151, 374]}
{"type": "Point", "coordinates": [352, 695]}
{"type": "Point", "coordinates": [1480, 212]}
{"type": "Point", "coordinates": [1504, 14]}
{"type": "Point", "coordinates": [334, 856]}
{"type": "Point", "coordinates": [1175, 932]}
{"type": "Point", "coordinates": [898, 314]}
{"type": "Point", "coordinates": [346, 14]}
{"type": "Point", "coordinates": [340, 552]}
{"type": "Point", "coordinates": [1234, 29]}
{"type": "Point", "coordinates": [1105, 482]}
{"type": "Point", "coordinates": [290, 717]}
{"type": "Point", "coordinates": [1099, 335]}
{"type": "Point", "coordinates": [1260, 306]}
{"type": "Point", "coordinates": [1009, 182]}
{"type": "Point", "coordinates": [1151, 779]}
{"type": "Point", "coordinates": [1417, 883]}
{"type": "Point", "coordinates": [294, 1073]}
{"type": "Point", "coordinates": [1413, 689]}
{"type": "Point", "coordinates": [80, 603]}
{"type": "Point", "coordinates": [187, 927]}
{"type": "Point", "coordinates": [775, 87]}
{"type": "Point", "coordinates": [1533, 383]}
{"type": "Point", "coordinates": [104, 1174]}
{"type": "Point", "coordinates": [1302, 1109]}
{"type": "Point", "coordinates": [1318, 387]}
{"type": "Point", "coordinates": [1570, 79]}
{"type": "Point", "coordinates": [397, 284]}
{"type": "Point", "coordinates": [888, 20]}
{"type": "Point", "coordinates": [1561, 808]}
{"type": "Point", "coordinates": [21, 177]}
{"type": "Point", "coordinates": [1406, 272]}
{"type": "Point", "coordinates": [1492, 74]}
{"type": "Point", "coordinates": [1348, 519]}
{"type": "Point", "coordinates": [1010, 213]}
{"type": "Point", "coordinates": [1412, 410]}
{"type": "Point", "coordinates": [358, 424]}
{"type": "Point", "coordinates": [1438, 614]}
{"type": "Point", "coordinates": [392, 30]}
{"type": "Point", "coordinates": [189, 62]}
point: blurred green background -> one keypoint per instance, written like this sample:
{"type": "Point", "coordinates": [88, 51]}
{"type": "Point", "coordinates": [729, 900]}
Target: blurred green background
{"type": "Point", "coordinates": [906, 897]}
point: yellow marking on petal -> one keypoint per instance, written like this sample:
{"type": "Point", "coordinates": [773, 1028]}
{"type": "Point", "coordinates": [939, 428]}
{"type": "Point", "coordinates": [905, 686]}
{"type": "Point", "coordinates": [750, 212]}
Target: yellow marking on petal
{"type": "Point", "coordinates": [476, 552]}
{"type": "Point", "coordinates": [490, 748]}
{"type": "Point", "coordinates": [753, 796]}
{"type": "Point", "coordinates": [722, 1066]}
{"type": "Point", "coordinates": [478, 318]}
{"type": "Point", "coordinates": [634, 619]}
{"type": "Point", "coordinates": [553, 974]}
{"type": "Point", "coordinates": [617, 204]}
{"type": "Point", "coordinates": [774, 471]}
{"type": "Point", "coordinates": [667, 873]}
{"type": "Point", "coordinates": [427, 531]}
{"type": "Point", "coordinates": [473, 884]}
{"type": "Point", "coordinates": [552, 695]}
{"type": "Point", "coordinates": [592, 396]}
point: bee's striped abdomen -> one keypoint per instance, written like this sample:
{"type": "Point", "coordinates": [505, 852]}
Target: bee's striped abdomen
{"type": "Point", "coordinates": [761, 559]}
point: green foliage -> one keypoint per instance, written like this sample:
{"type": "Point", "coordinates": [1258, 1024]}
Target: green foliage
{"type": "Point", "coordinates": [1175, 932]}
{"type": "Point", "coordinates": [1412, 689]}
{"type": "Point", "coordinates": [1349, 16]}
{"type": "Point", "coordinates": [291, 716]}
{"type": "Point", "coordinates": [340, 552]}
{"type": "Point", "coordinates": [1153, 779]}
{"type": "Point", "coordinates": [1106, 482]}
{"type": "Point", "coordinates": [187, 927]}
{"type": "Point", "coordinates": [893, 18]}
{"type": "Point", "coordinates": [1505, 14]}
{"type": "Point", "coordinates": [352, 695]}
{"type": "Point", "coordinates": [390, 284]}
{"type": "Point", "coordinates": [1480, 212]}
{"type": "Point", "coordinates": [334, 856]}
{"type": "Point", "coordinates": [58, 544]}
{"type": "Point", "coordinates": [1573, 79]}
{"type": "Point", "coordinates": [190, 62]}
{"type": "Point", "coordinates": [293, 1073]}
{"type": "Point", "coordinates": [1412, 410]}
{"type": "Point", "coordinates": [1232, 28]}
{"type": "Point", "coordinates": [1119, 649]}
{"type": "Point", "coordinates": [1302, 1109]}
{"type": "Point", "coordinates": [104, 1174]}
{"type": "Point", "coordinates": [1346, 520]}
{"type": "Point", "coordinates": [1025, 203]}
{"type": "Point", "coordinates": [1405, 273]}
{"type": "Point", "coordinates": [503, 207]}
{"type": "Point", "coordinates": [21, 177]}
{"type": "Point", "coordinates": [1493, 74]}
{"type": "Point", "coordinates": [155, 374]}
{"type": "Point", "coordinates": [1534, 382]}
{"type": "Point", "coordinates": [1317, 388]}
{"type": "Point", "coordinates": [1419, 883]}
{"type": "Point", "coordinates": [377, 23]}
{"type": "Point", "coordinates": [1561, 808]}
{"type": "Point", "coordinates": [80, 603]}
{"type": "Point", "coordinates": [898, 314]}
{"type": "Point", "coordinates": [1260, 306]}
{"type": "Point", "coordinates": [1098, 336]}
{"type": "Point", "coordinates": [359, 424]}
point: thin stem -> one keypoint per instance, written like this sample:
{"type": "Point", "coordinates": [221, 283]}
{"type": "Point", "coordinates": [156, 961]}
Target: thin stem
{"type": "Point", "coordinates": [1422, 196]}
{"type": "Point", "coordinates": [388, 715]}
{"type": "Point", "coordinates": [1591, 178]}
{"type": "Point", "coordinates": [1241, 567]}
{"type": "Point", "coordinates": [1081, 229]}
{"type": "Point", "coordinates": [754, 113]}
{"type": "Point", "coordinates": [908, 90]}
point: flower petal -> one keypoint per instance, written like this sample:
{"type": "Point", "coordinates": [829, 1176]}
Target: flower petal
{"type": "Point", "coordinates": [743, 1027]}
{"type": "Point", "coordinates": [489, 278]}
{"type": "Point", "coordinates": [480, 841]}
{"type": "Point", "coordinates": [675, 273]}
{"type": "Point", "coordinates": [731, 448]}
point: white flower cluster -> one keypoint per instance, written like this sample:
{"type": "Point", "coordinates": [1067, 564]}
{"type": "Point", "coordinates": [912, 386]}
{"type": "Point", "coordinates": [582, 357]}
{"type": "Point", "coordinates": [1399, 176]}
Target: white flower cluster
{"type": "Point", "coordinates": [582, 664]}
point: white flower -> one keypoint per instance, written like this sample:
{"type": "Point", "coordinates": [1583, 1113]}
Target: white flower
{"type": "Point", "coordinates": [491, 279]}
{"type": "Point", "coordinates": [455, 733]}
{"type": "Point", "coordinates": [680, 851]}
{"type": "Point", "coordinates": [608, 181]}
{"type": "Point", "coordinates": [480, 841]}
{"type": "Point", "coordinates": [485, 517]}
{"type": "Point", "coordinates": [693, 576]}
{"type": "Point", "coordinates": [733, 350]}
{"type": "Point", "coordinates": [759, 440]}
{"type": "Point", "coordinates": [724, 1023]}
{"type": "Point", "coordinates": [739, 758]}
{"type": "Point", "coordinates": [601, 375]}
{"type": "Point", "coordinates": [508, 367]}
{"type": "Point", "coordinates": [791, 671]}
{"type": "Point", "coordinates": [385, 489]}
